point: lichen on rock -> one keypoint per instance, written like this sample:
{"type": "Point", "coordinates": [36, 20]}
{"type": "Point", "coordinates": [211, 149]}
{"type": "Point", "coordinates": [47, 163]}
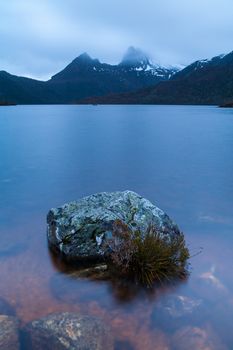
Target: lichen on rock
{"type": "Point", "coordinates": [79, 230]}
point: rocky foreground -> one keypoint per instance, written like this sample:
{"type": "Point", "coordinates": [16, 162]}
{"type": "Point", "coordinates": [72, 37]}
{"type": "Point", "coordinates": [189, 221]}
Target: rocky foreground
{"type": "Point", "coordinates": [71, 331]}
{"type": "Point", "coordinates": [81, 230]}
{"type": "Point", "coordinates": [60, 331]}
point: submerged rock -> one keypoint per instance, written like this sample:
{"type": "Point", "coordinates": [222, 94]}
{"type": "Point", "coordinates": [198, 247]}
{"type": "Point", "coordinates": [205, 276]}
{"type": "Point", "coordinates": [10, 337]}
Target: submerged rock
{"type": "Point", "coordinates": [178, 306]}
{"type": "Point", "coordinates": [9, 335]}
{"type": "Point", "coordinates": [80, 230]}
{"type": "Point", "coordinates": [68, 331]}
{"type": "Point", "coordinates": [97, 272]}
{"type": "Point", "coordinates": [174, 311]}
{"type": "Point", "coordinates": [195, 338]}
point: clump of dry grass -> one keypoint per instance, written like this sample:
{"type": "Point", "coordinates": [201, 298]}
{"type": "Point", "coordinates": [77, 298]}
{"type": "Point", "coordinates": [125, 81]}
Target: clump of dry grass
{"type": "Point", "coordinates": [148, 256]}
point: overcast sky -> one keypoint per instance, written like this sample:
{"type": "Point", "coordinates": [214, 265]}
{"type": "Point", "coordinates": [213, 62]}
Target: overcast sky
{"type": "Point", "coordinates": [39, 37]}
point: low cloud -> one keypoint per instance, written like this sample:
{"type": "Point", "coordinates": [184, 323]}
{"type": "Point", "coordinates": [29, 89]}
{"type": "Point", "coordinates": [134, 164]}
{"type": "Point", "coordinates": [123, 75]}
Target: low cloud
{"type": "Point", "coordinates": [38, 38]}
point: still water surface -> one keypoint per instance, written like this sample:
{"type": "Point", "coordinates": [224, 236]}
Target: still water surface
{"type": "Point", "coordinates": [179, 157]}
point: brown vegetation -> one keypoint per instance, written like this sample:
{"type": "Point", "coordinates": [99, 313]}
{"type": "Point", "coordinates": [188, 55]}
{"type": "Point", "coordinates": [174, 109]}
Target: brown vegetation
{"type": "Point", "coordinates": [147, 256]}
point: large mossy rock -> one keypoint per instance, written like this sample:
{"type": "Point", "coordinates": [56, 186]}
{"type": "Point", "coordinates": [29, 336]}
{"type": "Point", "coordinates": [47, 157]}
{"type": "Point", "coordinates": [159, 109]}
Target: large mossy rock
{"type": "Point", "coordinates": [80, 229]}
{"type": "Point", "coordinates": [71, 331]}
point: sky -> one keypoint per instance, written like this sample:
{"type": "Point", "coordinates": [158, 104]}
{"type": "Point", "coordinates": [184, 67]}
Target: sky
{"type": "Point", "coordinates": [39, 38]}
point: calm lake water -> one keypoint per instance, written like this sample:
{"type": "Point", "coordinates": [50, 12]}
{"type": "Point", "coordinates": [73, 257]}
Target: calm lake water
{"type": "Point", "coordinates": [179, 157]}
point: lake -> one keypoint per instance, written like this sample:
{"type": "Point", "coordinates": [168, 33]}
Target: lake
{"type": "Point", "coordinates": [179, 157]}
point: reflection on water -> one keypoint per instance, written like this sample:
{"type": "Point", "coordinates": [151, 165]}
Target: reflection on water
{"type": "Point", "coordinates": [178, 157]}
{"type": "Point", "coordinates": [98, 281]}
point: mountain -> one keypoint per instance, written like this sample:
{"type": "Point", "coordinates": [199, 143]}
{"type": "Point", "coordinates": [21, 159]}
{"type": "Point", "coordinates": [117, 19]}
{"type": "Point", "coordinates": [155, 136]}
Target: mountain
{"type": "Point", "coordinates": [135, 80]}
{"type": "Point", "coordinates": [20, 90]}
{"type": "Point", "coordinates": [202, 82]}
{"type": "Point", "coordinates": [135, 58]}
{"type": "Point", "coordinates": [85, 77]}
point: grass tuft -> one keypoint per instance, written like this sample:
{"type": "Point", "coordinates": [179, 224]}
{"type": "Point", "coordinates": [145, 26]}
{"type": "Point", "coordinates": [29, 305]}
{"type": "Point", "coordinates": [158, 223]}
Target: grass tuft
{"type": "Point", "coordinates": [148, 256]}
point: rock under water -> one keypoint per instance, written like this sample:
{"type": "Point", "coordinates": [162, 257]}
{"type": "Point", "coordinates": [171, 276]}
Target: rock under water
{"type": "Point", "coordinates": [9, 333]}
{"type": "Point", "coordinates": [71, 331]}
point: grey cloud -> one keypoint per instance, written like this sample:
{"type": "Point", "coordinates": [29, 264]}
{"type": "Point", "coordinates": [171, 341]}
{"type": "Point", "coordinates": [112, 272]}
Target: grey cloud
{"type": "Point", "coordinates": [38, 38]}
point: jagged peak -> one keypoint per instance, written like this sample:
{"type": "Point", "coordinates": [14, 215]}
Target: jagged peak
{"type": "Point", "coordinates": [83, 62]}
{"type": "Point", "coordinates": [135, 57]}
{"type": "Point", "coordinates": [85, 58]}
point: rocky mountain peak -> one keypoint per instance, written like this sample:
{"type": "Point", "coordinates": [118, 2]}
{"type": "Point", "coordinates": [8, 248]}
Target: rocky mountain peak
{"type": "Point", "coordinates": [135, 57]}
{"type": "Point", "coordinates": [84, 58]}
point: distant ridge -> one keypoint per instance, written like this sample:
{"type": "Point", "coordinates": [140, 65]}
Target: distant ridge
{"type": "Point", "coordinates": [135, 80]}
{"type": "Point", "coordinates": [84, 78]}
{"type": "Point", "coordinates": [208, 81]}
